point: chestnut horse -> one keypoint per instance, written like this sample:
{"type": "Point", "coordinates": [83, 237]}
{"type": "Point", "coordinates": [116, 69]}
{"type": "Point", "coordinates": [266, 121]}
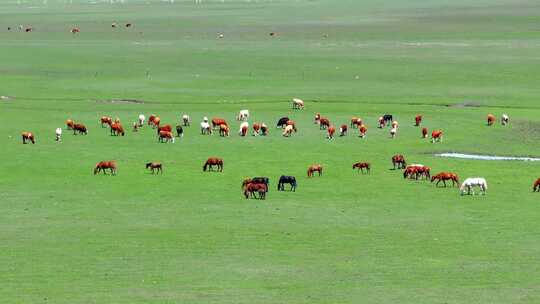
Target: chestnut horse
{"type": "Point", "coordinates": [216, 122]}
{"type": "Point", "coordinates": [436, 136]}
{"type": "Point", "coordinates": [256, 129]}
{"type": "Point", "coordinates": [331, 131]}
{"type": "Point", "coordinates": [314, 168]}
{"type": "Point", "coordinates": [167, 128]}
{"type": "Point", "coordinates": [213, 161]}
{"type": "Point", "coordinates": [417, 120]}
{"type": "Point", "coordinates": [117, 129]}
{"type": "Point", "coordinates": [490, 119]}
{"type": "Point", "coordinates": [104, 165]}
{"type": "Point", "coordinates": [324, 123]}
{"type": "Point", "coordinates": [356, 122]}
{"type": "Point", "coordinates": [343, 130]}
{"type": "Point", "coordinates": [166, 136]}
{"type": "Point", "coordinates": [443, 177]}
{"type": "Point", "coordinates": [361, 166]}
{"type": "Point", "coordinates": [251, 188]}
{"type": "Point", "coordinates": [536, 185]}
{"type": "Point", "coordinates": [155, 167]}
{"type": "Point", "coordinates": [424, 132]}
{"type": "Point", "coordinates": [69, 124]}
{"type": "Point", "coordinates": [105, 121]}
{"type": "Point", "coordinates": [399, 160]}
{"type": "Point", "coordinates": [151, 119]}
{"type": "Point", "coordinates": [363, 131]}
{"type": "Point", "coordinates": [154, 121]}
{"type": "Point", "coordinates": [80, 128]}
{"type": "Point", "coordinates": [28, 136]}
{"type": "Point", "coordinates": [223, 130]}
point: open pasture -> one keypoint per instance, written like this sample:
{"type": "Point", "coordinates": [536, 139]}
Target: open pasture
{"type": "Point", "coordinates": [188, 236]}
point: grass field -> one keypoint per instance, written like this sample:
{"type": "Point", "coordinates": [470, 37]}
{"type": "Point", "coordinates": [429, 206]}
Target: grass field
{"type": "Point", "coordinates": [67, 236]}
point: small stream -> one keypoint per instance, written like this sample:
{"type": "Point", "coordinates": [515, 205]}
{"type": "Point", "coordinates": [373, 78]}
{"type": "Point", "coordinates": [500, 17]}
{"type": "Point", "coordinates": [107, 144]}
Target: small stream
{"type": "Point", "coordinates": [485, 157]}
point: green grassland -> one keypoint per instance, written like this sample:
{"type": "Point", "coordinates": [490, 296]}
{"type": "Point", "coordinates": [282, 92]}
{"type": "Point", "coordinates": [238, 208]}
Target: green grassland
{"type": "Point", "coordinates": [67, 236]}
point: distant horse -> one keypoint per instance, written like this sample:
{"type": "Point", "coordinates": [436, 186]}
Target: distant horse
{"type": "Point", "coordinates": [155, 167]}
{"type": "Point", "coordinates": [223, 130]}
{"type": "Point", "coordinates": [317, 118]}
{"type": "Point", "coordinates": [356, 122]}
{"type": "Point", "coordinates": [186, 120]}
{"type": "Point", "coordinates": [155, 122]}
{"type": "Point", "coordinates": [28, 136]}
{"type": "Point", "coordinates": [416, 170]}
{"type": "Point", "coordinates": [293, 124]}
{"type": "Point", "coordinates": [243, 115]}
{"type": "Point", "coordinates": [243, 128]}
{"type": "Point", "coordinates": [58, 133]}
{"type": "Point", "coordinates": [179, 131]}
{"type": "Point", "coordinates": [363, 131]}
{"type": "Point", "coordinates": [141, 120]}
{"type": "Point", "coordinates": [424, 132]}
{"type": "Point", "coordinates": [443, 177]}
{"type": "Point", "coordinates": [409, 172]}
{"type": "Point", "coordinates": [264, 129]}
{"type": "Point", "coordinates": [261, 180]}
{"type": "Point", "coordinates": [282, 122]}
{"type": "Point", "coordinates": [388, 118]}
{"type": "Point", "coordinates": [117, 129]}
{"type": "Point", "coordinates": [205, 128]}
{"type": "Point", "coordinates": [69, 124]}
{"type": "Point", "coordinates": [417, 120]}
{"type": "Point", "coordinates": [399, 160]}
{"type": "Point", "coordinates": [79, 128]}
{"type": "Point", "coordinates": [343, 130]}
{"type": "Point", "coordinates": [490, 119]}
{"type": "Point", "coordinates": [314, 168]}
{"type": "Point", "coordinates": [291, 180]}
{"type": "Point", "coordinates": [166, 136]}
{"type": "Point", "coordinates": [213, 161]}
{"type": "Point", "coordinates": [536, 185]}
{"type": "Point", "coordinates": [75, 30]}
{"type": "Point", "coordinates": [289, 129]}
{"type": "Point", "coordinates": [468, 185]}
{"type": "Point", "coordinates": [104, 165]}
{"type": "Point", "coordinates": [393, 132]}
{"type": "Point", "coordinates": [297, 103]}
{"type": "Point", "coordinates": [151, 119]}
{"type": "Point", "coordinates": [252, 188]}
{"type": "Point", "coordinates": [361, 166]}
{"type": "Point", "coordinates": [436, 136]}
{"type": "Point", "coordinates": [331, 130]}
{"type": "Point", "coordinates": [395, 124]}
{"type": "Point", "coordinates": [505, 119]}
{"type": "Point", "coordinates": [324, 123]}
{"type": "Point", "coordinates": [423, 171]}
{"type": "Point", "coordinates": [216, 122]}
{"type": "Point", "coordinates": [167, 128]}
{"type": "Point", "coordinates": [382, 123]}
{"type": "Point", "coordinates": [256, 129]}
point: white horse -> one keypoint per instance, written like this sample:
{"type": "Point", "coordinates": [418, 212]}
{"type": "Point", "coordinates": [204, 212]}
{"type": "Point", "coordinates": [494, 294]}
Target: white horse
{"type": "Point", "coordinates": [186, 119]}
{"type": "Point", "coordinates": [468, 185]}
{"type": "Point", "coordinates": [205, 128]}
{"type": "Point", "coordinates": [142, 118]}
{"type": "Point", "coordinates": [297, 103]}
{"type": "Point", "coordinates": [58, 134]}
{"type": "Point", "coordinates": [243, 115]}
{"type": "Point", "coordinates": [245, 124]}
{"type": "Point", "coordinates": [393, 132]}
{"type": "Point", "coordinates": [505, 119]}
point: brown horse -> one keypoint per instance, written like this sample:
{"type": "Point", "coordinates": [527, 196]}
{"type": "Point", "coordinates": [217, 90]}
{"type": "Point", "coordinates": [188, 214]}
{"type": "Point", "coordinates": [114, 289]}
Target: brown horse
{"type": "Point", "coordinates": [216, 122]}
{"type": "Point", "coordinates": [264, 129]}
{"type": "Point", "coordinates": [223, 130]}
{"type": "Point", "coordinates": [324, 123]}
{"type": "Point", "coordinates": [443, 177]}
{"type": "Point", "coordinates": [356, 122]}
{"type": "Point", "coordinates": [417, 120]}
{"type": "Point", "coordinates": [104, 165]}
{"type": "Point", "coordinates": [117, 129]}
{"type": "Point", "coordinates": [28, 136]}
{"type": "Point", "coordinates": [79, 128]}
{"type": "Point", "coordinates": [213, 161]}
{"type": "Point", "coordinates": [399, 160]}
{"type": "Point", "coordinates": [151, 119]}
{"type": "Point", "coordinates": [251, 188]}
{"type": "Point", "coordinates": [167, 128]}
{"type": "Point", "coordinates": [75, 30]}
{"type": "Point", "coordinates": [424, 132]}
{"type": "Point", "coordinates": [343, 130]}
{"type": "Point", "coordinates": [69, 124]}
{"type": "Point", "coordinates": [490, 119]}
{"type": "Point", "coordinates": [331, 130]}
{"type": "Point", "coordinates": [317, 118]}
{"type": "Point", "coordinates": [155, 167]}
{"type": "Point", "coordinates": [313, 168]}
{"type": "Point", "coordinates": [166, 136]}
{"type": "Point", "coordinates": [256, 129]}
{"type": "Point", "coordinates": [436, 136]}
{"type": "Point", "coordinates": [361, 166]}
{"type": "Point", "coordinates": [536, 186]}
{"type": "Point", "coordinates": [105, 121]}
{"type": "Point", "coordinates": [363, 131]}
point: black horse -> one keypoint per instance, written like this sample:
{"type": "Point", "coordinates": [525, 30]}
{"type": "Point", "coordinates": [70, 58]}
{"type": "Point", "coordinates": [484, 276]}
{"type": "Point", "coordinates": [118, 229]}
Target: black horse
{"type": "Point", "coordinates": [388, 118]}
{"type": "Point", "coordinates": [261, 180]}
{"type": "Point", "coordinates": [282, 122]}
{"type": "Point", "coordinates": [291, 180]}
{"type": "Point", "coordinates": [179, 131]}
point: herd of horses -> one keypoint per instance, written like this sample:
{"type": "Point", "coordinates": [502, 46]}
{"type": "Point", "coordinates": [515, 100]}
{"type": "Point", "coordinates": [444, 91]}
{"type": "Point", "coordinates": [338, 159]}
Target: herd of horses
{"type": "Point", "coordinates": [257, 187]}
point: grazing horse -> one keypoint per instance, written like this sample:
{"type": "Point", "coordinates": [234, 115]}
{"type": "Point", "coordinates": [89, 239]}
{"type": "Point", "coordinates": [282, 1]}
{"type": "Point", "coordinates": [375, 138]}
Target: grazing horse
{"type": "Point", "coordinates": [436, 136]}
{"type": "Point", "coordinates": [251, 188]}
{"type": "Point", "coordinates": [69, 124]}
{"type": "Point", "coordinates": [423, 171]}
{"type": "Point", "coordinates": [179, 131]}
{"type": "Point", "coordinates": [156, 122]}
{"type": "Point", "coordinates": [382, 123]}
{"type": "Point", "coordinates": [536, 185]}
{"type": "Point", "coordinates": [297, 104]}
{"type": "Point", "coordinates": [58, 133]}
{"type": "Point", "coordinates": [213, 161]}
{"type": "Point", "coordinates": [317, 118]}
{"type": "Point", "coordinates": [155, 167]}
{"type": "Point", "coordinates": [490, 119]}
{"type": "Point", "coordinates": [393, 132]}
{"type": "Point", "coordinates": [166, 136]}
{"type": "Point", "coordinates": [443, 177]}
{"type": "Point", "coordinates": [243, 115]}
{"type": "Point", "coordinates": [388, 118]}
{"type": "Point", "coordinates": [361, 166]}
{"type": "Point", "coordinates": [505, 119]}
{"type": "Point", "coordinates": [243, 128]}
{"type": "Point", "coordinates": [468, 185]}
{"type": "Point", "coordinates": [291, 180]}
{"type": "Point", "coordinates": [167, 128]}
{"type": "Point", "coordinates": [363, 131]}
{"type": "Point", "coordinates": [417, 120]}
{"type": "Point", "coordinates": [343, 130]}
{"type": "Point", "coordinates": [257, 180]}
{"type": "Point", "coordinates": [264, 129]}
{"type": "Point", "coordinates": [104, 165]}
{"type": "Point", "coordinates": [324, 123]}
{"type": "Point", "coordinates": [205, 128]}
{"type": "Point", "coordinates": [75, 30]}
{"type": "Point", "coordinates": [410, 172]}
{"type": "Point", "coordinates": [289, 129]}
{"type": "Point", "coordinates": [424, 132]}
{"type": "Point", "coordinates": [223, 130]}
{"type": "Point", "coordinates": [216, 122]}
{"type": "Point", "coordinates": [282, 122]}
{"type": "Point", "coordinates": [117, 129]}
{"type": "Point", "coordinates": [331, 130]}
{"type": "Point", "coordinates": [151, 119]}
{"type": "Point", "coordinates": [187, 120]}
{"type": "Point", "coordinates": [79, 128]}
{"type": "Point", "coordinates": [256, 129]}
{"type": "Point", "coordinates": [28, 136]}
{"type": "Point", "coordinates": [141, 120]}
{"type": "Point", "coordinates": [399, 160]}
{"type": "Point", "coordinates": [395, 124]}
{"type": "Point", "coordinates": [313, 168]}
{"type": "Point", "coordinates": [356, 122]}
